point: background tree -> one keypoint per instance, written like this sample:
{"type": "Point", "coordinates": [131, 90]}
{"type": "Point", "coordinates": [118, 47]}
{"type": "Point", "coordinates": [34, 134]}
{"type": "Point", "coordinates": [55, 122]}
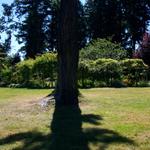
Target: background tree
{"type": "Point", "coordinates": [30, 30]}
{"type": "Point", "coordinates": [104, 19]}
{"type": "Point", "coordinates": [7, 43]}
{"type": "Point", "coordinates": [36, 25]}
{"type": "Point", "coordinates": [122, 21]}
{"type": "Point", "coordinates": [51, 24]}
{"type": "Point", "coordinates": [82, 26]}
{"type": "Point", "coordinates": [136, 17]}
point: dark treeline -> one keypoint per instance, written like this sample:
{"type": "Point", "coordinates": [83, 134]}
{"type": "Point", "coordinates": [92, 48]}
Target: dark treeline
{"type": "Point", "coordinates": [35, 23]}
{"type": "Point", "coordinates": [121, 20]}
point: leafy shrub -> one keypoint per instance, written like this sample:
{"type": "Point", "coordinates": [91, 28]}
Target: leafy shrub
{"type": "Point", "coordinates": [84, 73]}
{"type": "Point", "coordinates": [37, 84]}
{"type": "Point", "coordinates": [13, 85]}
{"type": "Point", "coordinates": [45, 66]}
{"type": "Point", "coordinates": [113, 73]}
{"type": "Point", "coordinates": [143, 84]}
{"type": "Point", "coordinates": [134, 70]}
{"type": "Point", "coordinates": [41, 73]}
{"type": "Point", "coordinates": [33, 73]}
{"type": "Point", "coordinates": [100, 84]}
{"type": "Point", "coordinates": [24, 71]}
{"type": "Point", "coordinates": [6, 74]}
{"type": "Point", "coordinates": [102, 48]}
{"type": "Point", "coordinates": [99, 70]}
{"type": "Point", "coordinates": [5, 71]}
{"type": "Point", "coordinates": [105, 70]}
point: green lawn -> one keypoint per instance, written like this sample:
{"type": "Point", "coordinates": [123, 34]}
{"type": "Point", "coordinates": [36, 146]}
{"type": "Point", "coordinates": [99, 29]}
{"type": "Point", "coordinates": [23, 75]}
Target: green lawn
{"type": "Point", "coordinates": [113, 119]}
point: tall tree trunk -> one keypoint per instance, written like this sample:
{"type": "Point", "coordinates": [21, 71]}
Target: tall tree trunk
{"type": "Point", "coordinates": [68, 54]}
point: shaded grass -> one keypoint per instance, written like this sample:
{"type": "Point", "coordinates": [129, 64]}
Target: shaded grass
{"type": "Point", "coordinates": [113, 119]}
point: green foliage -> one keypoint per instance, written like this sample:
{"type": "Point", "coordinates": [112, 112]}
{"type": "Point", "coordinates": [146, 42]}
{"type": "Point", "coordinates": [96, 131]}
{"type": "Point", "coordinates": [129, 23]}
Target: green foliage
{"type": "Point", "coordinates": [45, 66]}
{"type": "Point", "coordinates": [114, 73]}
{"type": "Point", "coordinates": [84, 72]}
{"type": "Point", "coordinates": [100, 70]}
{"type": "Point", "coordinates": [102, 48]}
{"type": "Point", "coordinates": [134, 70]}
{"type": "Point", "coordinates": [143, 84]}
{"type": "Point", "coordinates": [107, 69]}
{"type": "Point", "coordinates": [36, 73]}
{"type": "Point", "coordinates": [24, 71]}
{"type": "Point", "coordinates": [5, 70]}
{"type": "Point", "coordinates": [42, 73]}
{"type": "Point", "coordinates": [44, 69]}
{"type": "Point", "coordinates": [5, 75]}
{"type": "Point", "coordinates": [2, 57]}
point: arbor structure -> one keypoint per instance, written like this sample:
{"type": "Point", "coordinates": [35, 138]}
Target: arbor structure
{"type": "Point", "coordinates": [68, 53]}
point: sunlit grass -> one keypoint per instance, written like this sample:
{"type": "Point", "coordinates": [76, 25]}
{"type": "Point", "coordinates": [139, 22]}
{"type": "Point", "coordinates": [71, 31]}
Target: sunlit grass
{"type": "Point", "coordinates": [113, 119]}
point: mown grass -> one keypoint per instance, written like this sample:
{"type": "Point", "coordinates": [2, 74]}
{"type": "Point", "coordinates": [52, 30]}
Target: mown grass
{"type": "Point", "coordinates": [113, 119]}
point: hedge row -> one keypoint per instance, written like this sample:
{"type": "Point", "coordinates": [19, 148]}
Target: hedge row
{"type": "Point", "coordinates": [38, 73]}
{"type": "Point", "coordinates": [109, 73]}
{"type": "Point", "coordinates": [42, 73]}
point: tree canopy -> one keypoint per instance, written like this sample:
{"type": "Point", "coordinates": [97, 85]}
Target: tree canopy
{"type": "Point", "coordinates": [35, 23]}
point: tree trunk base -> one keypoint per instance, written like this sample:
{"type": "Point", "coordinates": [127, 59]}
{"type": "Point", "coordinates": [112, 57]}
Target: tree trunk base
{"type": "Point", "coordinates": [57, 100]}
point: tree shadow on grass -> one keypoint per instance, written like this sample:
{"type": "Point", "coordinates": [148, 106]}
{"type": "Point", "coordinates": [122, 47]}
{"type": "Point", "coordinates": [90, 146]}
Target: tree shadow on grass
{"type": "Point", "coordinates": [67, 133]}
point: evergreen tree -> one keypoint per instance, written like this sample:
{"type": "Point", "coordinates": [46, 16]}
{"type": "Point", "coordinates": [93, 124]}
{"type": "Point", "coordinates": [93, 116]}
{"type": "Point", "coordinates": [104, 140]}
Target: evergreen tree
{"type": "Point", "coordinates": [51, 24]}
{"type": "Point", "coordinates": [36, 26]}
{"type": "Point", "coordinates": [137, 17]}
{"type": "Point", "coordinates": [30, 30]}
{"type": "Point", "coordinates": [81, 25]}
{"type": "Point", "coordinates": [122, 21]}
{"type": "Point", "coordinates": [7, 43]}
{"type": "Point", "coordinates": [104, 19]}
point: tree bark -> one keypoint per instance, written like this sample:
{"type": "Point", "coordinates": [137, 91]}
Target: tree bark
{"type": "Point", "coordinates": [68, 54]}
